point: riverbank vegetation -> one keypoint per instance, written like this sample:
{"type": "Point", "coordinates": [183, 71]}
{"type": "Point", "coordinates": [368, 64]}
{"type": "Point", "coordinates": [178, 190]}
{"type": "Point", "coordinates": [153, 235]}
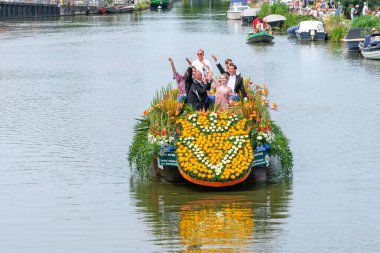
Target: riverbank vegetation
{"type": "Point", "coordinates": [143, 5]}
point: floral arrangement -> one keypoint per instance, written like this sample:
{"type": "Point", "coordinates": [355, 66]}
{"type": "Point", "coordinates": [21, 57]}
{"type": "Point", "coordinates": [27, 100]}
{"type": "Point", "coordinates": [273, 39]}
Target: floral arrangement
{"type": "Point", "coordinates": [214, 147]}
{"type": "Point", "coordinates": [211, 146]}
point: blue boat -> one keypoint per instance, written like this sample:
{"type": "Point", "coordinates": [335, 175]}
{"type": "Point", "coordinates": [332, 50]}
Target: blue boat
{"type": "Point", "coordinates": [292, 30]}
{"type": "Point", "coordinates": [355, 36]}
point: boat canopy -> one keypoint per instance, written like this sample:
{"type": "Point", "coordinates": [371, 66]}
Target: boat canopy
{"type": "Point", "coordinates": [274, 18]}
{"type": "Point", "coordinates": [358, 33]}
{"type": "Point", "coordinates": [306, 26]}
{"type": "Point", "coordinates": [251, 12]}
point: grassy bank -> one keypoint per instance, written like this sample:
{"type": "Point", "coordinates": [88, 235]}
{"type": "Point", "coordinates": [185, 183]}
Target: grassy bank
{"type": "Point", "coordinates": [337, 28]}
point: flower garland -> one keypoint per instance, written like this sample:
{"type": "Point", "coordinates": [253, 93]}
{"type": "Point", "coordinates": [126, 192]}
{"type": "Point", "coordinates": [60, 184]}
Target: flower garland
{"type": "Point", "coordinates": [214, 147]}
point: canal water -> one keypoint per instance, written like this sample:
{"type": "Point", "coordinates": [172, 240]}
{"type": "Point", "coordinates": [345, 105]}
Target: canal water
{"type": "Point", "coordinates": [71, 88]}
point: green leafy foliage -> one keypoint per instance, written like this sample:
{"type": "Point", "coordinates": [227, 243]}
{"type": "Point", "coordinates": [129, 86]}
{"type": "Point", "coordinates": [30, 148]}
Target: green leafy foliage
{"type": "Point", "coordinates": [141, 152]}
{"type": "Point", "coordinates": [280, 147]}
{"type": "Point", "coordinates": [366, 21]}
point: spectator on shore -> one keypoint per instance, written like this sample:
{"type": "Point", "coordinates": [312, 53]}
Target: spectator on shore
{"type": "Point", "coordinates": [365, 9]}
{"type": "Point", "coordinates": [357, 11]}
{"type": "Point", "coordinates": [352, 11]}
{"type": "Point", "coordinates": [339, 10]}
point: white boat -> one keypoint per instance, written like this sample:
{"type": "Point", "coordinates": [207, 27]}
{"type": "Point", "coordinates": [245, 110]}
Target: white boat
{"type": "Point", "coordinates": [275, 20]}
{"type": "Point", "coordinates": [311, 30]}
{"type": "Point", "coordinates": [370, 49]}
{"type": "Point", "coordinates": [235, 11]}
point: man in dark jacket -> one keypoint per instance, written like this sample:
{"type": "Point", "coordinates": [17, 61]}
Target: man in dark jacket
{"type": "Point", "coordinates": [197, 92]}
{"type": "Point", "coordinates": [236, 81]}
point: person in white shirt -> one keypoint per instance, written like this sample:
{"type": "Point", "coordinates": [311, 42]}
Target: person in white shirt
{"type": "Point", "coordinates": [236, 82]}
{"type": "Point", "coordinates": [365, 9]}
{"type": "Point", "coordinates": [201, 64]}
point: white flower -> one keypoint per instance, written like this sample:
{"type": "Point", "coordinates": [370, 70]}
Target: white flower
{"type": "Point", "coordinates": [259, 138]}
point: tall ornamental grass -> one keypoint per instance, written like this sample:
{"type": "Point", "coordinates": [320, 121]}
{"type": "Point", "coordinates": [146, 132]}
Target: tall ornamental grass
{"type": "Point", "coordinates": [336, 28]}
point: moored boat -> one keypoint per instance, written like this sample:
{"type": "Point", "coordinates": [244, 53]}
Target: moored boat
{"type": "Point", "coordinates": [292, 30]}
{"type": "Point", "coordinates": [370, 48]}
{"type": "Point", "coordinates": [355, 36]}
{"type": "Point", "coordinates": [236, 8]}
{"type": "Point", "coordinates": [311, 31]}
{"type": "Point", "coordinates": [248, 15]}
{"type": "Point", "coordinates": [259, 37]}
{"type": "Point", "coordinates": [275, 20]}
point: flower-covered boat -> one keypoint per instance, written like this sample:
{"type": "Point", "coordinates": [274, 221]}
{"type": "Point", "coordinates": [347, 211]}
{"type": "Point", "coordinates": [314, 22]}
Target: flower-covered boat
{"type": "Point", "coordinates": [211, 148]}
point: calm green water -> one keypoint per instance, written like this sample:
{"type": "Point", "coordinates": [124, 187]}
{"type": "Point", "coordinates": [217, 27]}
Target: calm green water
{"type": "Point", "coordinates": [71, 88]}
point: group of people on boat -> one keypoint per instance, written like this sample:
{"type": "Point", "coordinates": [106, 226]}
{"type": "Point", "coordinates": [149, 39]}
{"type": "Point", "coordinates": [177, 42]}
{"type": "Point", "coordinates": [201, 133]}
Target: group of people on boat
{"type": "Point", "coordinates": [260, 25]}
{"type": "Point", "coordinates": [199, 78]}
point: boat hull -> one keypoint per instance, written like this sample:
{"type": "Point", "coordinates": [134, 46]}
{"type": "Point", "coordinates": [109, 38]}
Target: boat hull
{"type": "Point", "coordinates": [166, 169]}
{"type": "Point", "coordinates": [372, 53]}
{"type": "Point", "coordinates": [234, 15]}
{"type": "Point", "coordinates": [307, 36]}
{"type": "Point", "coordinates": [259, 37]}
{"type": "Point", "coordinates": [353, 45]}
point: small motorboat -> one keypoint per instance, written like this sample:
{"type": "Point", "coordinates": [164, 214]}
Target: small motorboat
{"type": "Point", "coordinates": [292, 30]}
{"type": "Point", "coordinates": [236, 9]}
{"type": "Point", "coordinates": [370, 48]}
{"type": "Point", "coordinates": [275, 20]}
{"type": "Point", "coordinates": [355, 36]}
{"type": "Point", "coordinates": [253, 37]}
{"type": "Point", "coordinates": [311, 31]}
{"type": "Point", "coordinates": [248, 15]}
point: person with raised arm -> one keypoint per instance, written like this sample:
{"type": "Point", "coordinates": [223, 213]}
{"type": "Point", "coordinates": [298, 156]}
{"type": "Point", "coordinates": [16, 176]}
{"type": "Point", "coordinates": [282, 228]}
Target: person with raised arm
{"type": "Point", "coordinates": [181, 79]}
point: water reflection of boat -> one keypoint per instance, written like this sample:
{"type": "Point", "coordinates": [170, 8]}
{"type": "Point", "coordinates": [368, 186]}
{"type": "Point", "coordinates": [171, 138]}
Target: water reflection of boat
{"type": "Point", "coordinates": [186, 219]}
{"type": "Point", "coordinates": [370, 48]}
{"type": "Point", "coordinates": [311, 31]}
{"type": "Point", "coordinates": [259, 37]}
{"type": "Point", "coordinates": [355, 36]}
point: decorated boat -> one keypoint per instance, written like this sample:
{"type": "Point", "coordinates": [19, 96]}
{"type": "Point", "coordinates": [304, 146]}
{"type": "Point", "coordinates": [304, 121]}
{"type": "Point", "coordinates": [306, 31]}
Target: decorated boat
{"type": "Point", "coordinates": [211, 148]}
{"type": "Point", "coordinates": [253, 37]}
